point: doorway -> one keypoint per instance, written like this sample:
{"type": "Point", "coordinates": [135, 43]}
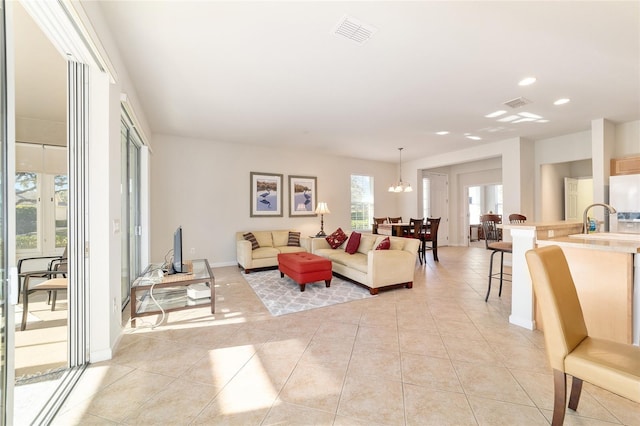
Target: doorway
{"type": "Point", "coordinates": [481, 199]}
{"type": "Point", "coordinates": [435, 202]}
{"type": "Point", "coordinates": [57, 128]}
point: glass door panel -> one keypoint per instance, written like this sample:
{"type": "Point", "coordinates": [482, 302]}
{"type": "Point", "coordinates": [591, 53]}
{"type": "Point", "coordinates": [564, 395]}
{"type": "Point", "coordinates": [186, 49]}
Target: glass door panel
{"type": "Point", "coordinates": [6, 388]}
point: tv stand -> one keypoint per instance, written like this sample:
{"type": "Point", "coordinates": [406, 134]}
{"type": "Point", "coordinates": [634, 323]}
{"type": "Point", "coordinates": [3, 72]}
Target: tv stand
{"type": "Point", "coordinates": [170, 291]}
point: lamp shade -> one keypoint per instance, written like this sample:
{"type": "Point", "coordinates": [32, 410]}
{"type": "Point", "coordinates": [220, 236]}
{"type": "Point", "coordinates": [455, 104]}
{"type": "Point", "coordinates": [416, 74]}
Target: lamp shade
{"type": "Point", "coordinates": [322, 208]}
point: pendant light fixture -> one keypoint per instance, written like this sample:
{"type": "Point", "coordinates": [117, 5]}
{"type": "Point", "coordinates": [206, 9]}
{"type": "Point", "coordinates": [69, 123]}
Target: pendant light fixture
{"type": "Point", "coordinates": [400, 186]}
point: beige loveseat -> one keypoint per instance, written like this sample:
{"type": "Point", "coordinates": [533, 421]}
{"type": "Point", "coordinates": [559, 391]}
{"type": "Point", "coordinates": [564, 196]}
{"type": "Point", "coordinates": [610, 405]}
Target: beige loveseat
{"type": "Point", "coordinates": [372, 268]}
{"type": "Point", "coordinates": [271, 243]}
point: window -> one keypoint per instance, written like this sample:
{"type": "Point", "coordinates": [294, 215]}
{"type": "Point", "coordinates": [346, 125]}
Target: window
{"type": "Point", "coordinates": [426, 197]}
{"type": "Point", "coordinates": [41, 212]}
{"type": "Point", "coordinates": [27, 211]}
{"type": "Point", "coordinates": [361, 202]}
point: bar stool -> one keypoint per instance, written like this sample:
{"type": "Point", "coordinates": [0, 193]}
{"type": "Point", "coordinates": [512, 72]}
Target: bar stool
{"type": "Point", "coordinates": [492, 240]}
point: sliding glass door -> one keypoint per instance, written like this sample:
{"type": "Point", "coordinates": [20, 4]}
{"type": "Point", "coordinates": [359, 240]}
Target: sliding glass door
{"type": "Point", "coordinates": [5, 387]}
{"type": "Point", "coordinates": [130, 193]}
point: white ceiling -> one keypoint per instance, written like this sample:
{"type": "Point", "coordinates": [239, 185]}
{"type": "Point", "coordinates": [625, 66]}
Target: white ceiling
{"type": "Point", "coordinates": [273, 73]}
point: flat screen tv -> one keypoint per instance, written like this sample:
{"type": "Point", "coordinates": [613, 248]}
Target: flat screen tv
{"type": "Point", "coordinates": [177, 267]}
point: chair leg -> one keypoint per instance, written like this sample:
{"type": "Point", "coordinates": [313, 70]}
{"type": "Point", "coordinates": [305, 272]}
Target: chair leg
{"type": "Point", "coordinates": [490, 275]}
{"type": "Point", "coordinates": [576, 390]}
{"type": "Point", "coordinates": [25, 312]}
{"type": "Point", "coordinates": [420, 255]}
{"type": "Point", "coordinates": [54, 296]}
{"type": "Point", "coordinates": [501, 272]}
{"type": "Point", "coordinates": [434, 248]}
{"type": "Point", "coordinates": [560, 397]}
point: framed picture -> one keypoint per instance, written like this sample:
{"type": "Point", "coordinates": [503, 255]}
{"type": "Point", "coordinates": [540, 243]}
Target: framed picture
{"type": "Point", "coordinates": [302, 196]}
{"type": "Point", "coordinates": [266, 194]}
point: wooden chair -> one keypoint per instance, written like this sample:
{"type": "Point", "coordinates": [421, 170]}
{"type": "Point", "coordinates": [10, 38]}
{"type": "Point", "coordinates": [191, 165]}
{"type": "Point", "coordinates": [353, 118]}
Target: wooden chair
{"type": "Point", "coordinates": [492, 240]}
{"type": "Point", "coordinates": [430, 233]}
{"type": "Point", "coordinates": [517, 218]}
{"type": "Point", "coordinates": [377, 221]}
{"type": "Point", "coordinates": [395, 219]}
{"type": "Point", "coordinates": [416, 228]}
{"type": "Point", "coordinates": [610, 365]}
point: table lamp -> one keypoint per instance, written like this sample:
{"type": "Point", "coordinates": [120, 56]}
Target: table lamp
{"type": "Point", "coordinates": [322, 209]}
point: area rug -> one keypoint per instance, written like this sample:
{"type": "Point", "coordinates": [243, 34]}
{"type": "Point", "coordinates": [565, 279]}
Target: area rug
{"type": "Point", "coordinates": [283, 296]}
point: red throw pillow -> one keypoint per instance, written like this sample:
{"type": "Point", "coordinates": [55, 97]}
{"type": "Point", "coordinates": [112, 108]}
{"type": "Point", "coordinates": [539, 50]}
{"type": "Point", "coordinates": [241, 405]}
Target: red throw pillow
{"type": "Point", "coordinates": [354, 243]}
{"type": "Point", "coordinates": [384, 244]}
{"type": "Point", "coordinates": [336, 239]}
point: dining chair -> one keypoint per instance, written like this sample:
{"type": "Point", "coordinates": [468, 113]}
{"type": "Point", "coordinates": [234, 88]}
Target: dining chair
{"type": "Point", "coordinates": [415, 230]}
{"type": "Point", "coordinates": [517, 218]}
{"type": "Point", "coordinates": [395, 219]}
{"type": "Point", "coordinates": [377, 221]}
{"type": "Point", "coordinates": [430, 234]}
{"type": "Point", "coordinates": [414, 225]}
{"type": "Point", "coordinates": [492, 240]}
{"type": "Point", "coordinates": [571, 351]}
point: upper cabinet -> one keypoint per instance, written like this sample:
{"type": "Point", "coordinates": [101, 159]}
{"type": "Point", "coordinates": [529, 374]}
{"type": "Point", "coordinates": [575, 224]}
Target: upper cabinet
{"type": "Point", "coordinates": [625, 166]}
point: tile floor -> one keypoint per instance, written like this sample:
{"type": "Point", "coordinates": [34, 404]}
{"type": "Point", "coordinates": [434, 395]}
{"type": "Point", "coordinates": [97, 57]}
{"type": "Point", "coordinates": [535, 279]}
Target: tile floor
{"type": "Point", "coordinates": [435, 354]}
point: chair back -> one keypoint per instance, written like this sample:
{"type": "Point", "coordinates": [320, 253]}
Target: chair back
{"type": "Point", "coordinates": [377, 221]}
{"type": "Point", "coordinates": [490, 229]}
{"type": "Point", "coordinates": [517, 218]}
{"type": "Point", "coordinates": [431, 232]}
{"type": "Point", "coordinates": [564, 326]}
{"type": "Point", "coordinates": [395, 219]}
{"type": "Point", "coordinates": [415, 227]}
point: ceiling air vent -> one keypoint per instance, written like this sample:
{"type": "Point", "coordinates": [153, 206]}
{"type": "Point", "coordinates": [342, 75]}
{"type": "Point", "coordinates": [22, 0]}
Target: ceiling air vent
{"type": "Point", "coordinates": [517, 102]}
{"type": "Point", "coordinates": [353, 29]}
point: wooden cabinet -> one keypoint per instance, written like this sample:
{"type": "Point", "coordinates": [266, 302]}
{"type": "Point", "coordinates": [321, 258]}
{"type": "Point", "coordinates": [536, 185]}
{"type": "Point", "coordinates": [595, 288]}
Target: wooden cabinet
{"type": "Point", "coordinates": [625, 166]}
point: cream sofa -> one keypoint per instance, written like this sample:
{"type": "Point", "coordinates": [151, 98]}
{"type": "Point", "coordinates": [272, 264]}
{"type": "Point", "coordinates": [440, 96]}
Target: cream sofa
{"type": "Point", "coordinates": [372, 268]}
{"type": "Point", "coordinates": [271, 243]}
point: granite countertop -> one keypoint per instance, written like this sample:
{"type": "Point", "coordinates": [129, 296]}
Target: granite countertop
{"type": "Point", "coordinates": [595, 243]}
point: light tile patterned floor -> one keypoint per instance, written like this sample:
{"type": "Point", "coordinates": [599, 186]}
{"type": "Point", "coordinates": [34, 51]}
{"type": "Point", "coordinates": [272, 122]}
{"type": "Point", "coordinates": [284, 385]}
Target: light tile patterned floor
{"type": "Point", "coordinates": [435, 354]}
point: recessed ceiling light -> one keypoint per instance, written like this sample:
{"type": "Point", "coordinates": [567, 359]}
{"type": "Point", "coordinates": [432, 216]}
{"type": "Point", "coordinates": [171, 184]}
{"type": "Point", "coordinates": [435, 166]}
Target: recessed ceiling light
{"type": "Point", "coordinates": [523, 120]}
{"type": "Point", "coordinates": [529, 115]}
{"type": "Point", "coordinates": [508, 118]}
{"type": "Point", "coordinates": [444, 132]}
{"type": "Point", "coordinates": [562, 101]}
{"type": "Point", "coordinates": [475, 138]}
{"type": "Point", "coordinates": [496, 114]}
{"type": "Point", "coordinates": [527, 81]}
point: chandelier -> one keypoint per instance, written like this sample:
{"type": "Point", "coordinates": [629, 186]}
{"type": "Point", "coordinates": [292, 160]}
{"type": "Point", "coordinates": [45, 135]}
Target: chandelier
{"type": "Point", "coordinates": [400, 186]}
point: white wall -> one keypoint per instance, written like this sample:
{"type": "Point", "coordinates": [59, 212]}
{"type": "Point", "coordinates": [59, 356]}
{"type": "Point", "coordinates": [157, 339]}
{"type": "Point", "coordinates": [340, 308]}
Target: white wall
{"type": "Point", "coordinates": [105, 197]}
{"type": "Point", "coordinates": [204, 186]}
{"type": "Point", "coordinates": [627, 139]}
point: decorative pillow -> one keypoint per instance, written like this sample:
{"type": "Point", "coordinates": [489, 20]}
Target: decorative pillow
{"type": "Point", "coordinates": [384, 244]}
{"type": "Point", "coordinates": [336, 239]}
{"type": "Point", "coordinates": [354, 242]}
{"type": "Point", "coordinates": [366, 243]}
{"type": "Point", "coordinates": [250, 237]}
{"type": "Point", "coordinates": [294, 239]}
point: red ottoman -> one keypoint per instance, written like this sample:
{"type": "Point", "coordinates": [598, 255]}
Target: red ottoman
{"type": "Point", "coordinates": [305, 268]}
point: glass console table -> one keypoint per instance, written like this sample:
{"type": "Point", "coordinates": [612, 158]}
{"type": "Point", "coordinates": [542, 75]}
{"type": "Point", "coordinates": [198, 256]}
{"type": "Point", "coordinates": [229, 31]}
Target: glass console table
{"type": "Point", "coordinates": [170, 291]}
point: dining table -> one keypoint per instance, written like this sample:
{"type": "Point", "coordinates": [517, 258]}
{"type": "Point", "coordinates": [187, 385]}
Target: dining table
{"type": "Point", "coordinates": [394, 229]}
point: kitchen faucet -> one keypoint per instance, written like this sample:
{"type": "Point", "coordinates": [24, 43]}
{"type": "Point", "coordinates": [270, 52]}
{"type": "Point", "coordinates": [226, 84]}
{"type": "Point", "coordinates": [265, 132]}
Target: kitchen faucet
{"type": "Point", "coordinates": [585, 224]}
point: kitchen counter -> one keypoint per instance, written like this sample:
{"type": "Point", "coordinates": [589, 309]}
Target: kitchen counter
{"type": "Point", "coordinates": [595, 242]}
{"type": "Point", "coordinates": [605, 268]}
